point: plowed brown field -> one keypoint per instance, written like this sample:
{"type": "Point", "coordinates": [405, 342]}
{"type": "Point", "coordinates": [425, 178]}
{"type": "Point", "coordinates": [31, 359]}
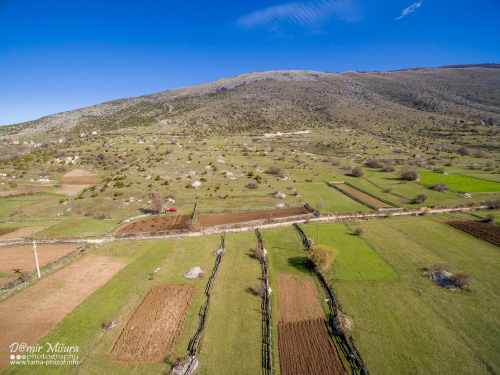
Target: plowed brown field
{"type": "Point", "coordinates": [32, 313]}
{"type": "Point", "coordinates": [157, 224]}
{"type": "Point", "coordinates": [363, 197]}
{"type": "Point", "coordinates": [298, 298]}
{"type": "Point", "coordinates": [483, 231]}
{"type": "Point", "coordinates": [79, 177]}
{"type": "Point", "coordinates": [306, 348]}
{"type": "Point", "coordinates": [241, 217]}
{"type": "Point", "coordinates": [23, 257]}
{"type": "Point", "coordinates": [153, 329]}
{"type": "Point", "coordinates": [19, 232]}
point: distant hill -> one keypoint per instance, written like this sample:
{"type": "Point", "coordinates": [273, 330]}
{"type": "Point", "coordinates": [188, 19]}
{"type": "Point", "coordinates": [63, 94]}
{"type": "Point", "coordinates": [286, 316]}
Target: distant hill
{"type": "Point", "coordinates": [294, 100]}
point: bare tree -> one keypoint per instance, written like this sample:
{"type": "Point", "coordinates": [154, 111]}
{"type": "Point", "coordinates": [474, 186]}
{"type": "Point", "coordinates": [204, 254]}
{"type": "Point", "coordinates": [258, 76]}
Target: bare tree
{"type": "Point", "coordinates": [157, 203]}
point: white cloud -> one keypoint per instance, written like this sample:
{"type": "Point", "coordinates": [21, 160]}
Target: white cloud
{"type": "Point", "coordinates": [410, 9]}
{"type": "Point", "coordinates": [305, 14]}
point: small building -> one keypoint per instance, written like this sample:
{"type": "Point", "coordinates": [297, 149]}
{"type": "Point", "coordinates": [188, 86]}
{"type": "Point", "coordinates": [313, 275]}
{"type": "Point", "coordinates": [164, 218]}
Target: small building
{"type": "Point", "coordinates": [15, 141]}
{"type": "Point", "coordinates": [94, 133]}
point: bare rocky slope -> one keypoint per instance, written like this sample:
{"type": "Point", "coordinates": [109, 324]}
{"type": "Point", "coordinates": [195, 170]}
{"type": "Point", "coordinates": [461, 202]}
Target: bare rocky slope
{"type": "Point", "coordinates": [374, 101]}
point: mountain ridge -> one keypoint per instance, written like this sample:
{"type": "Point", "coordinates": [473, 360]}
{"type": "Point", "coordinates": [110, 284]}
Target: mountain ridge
{"type": "Point", "coordinates": [292, 99]}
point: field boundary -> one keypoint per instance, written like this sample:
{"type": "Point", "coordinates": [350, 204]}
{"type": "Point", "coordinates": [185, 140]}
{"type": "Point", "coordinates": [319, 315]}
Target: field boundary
{"type": "Point", "coordinates": [194, 344]}
{"type": "Point", "coordinates": [267, 347]}
{"type": "Point", "coordinates": [333, 309]}
{"type": "Point", "coordinates": [395, 207]}
{"type": "Point", "coordinates": [79, 251]}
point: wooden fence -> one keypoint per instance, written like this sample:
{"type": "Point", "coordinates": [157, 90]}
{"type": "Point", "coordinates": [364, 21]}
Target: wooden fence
{"type": "Point", "coordinates": [267, 347]}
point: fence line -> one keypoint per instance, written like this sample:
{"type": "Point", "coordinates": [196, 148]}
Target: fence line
{"type": "Point", "coordinates": [79, 251]}
{"type": "Point", "coordinates": [268, 368]}
{"type": "Point", "coordinates": [194, 344]}
{"type": "Point", "coordinates": [333, 299]}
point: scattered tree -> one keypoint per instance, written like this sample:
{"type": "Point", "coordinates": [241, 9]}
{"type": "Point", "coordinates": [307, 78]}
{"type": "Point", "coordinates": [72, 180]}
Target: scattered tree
{"type": "Point", "coordinates": [440, 186]}
{"type": "Point", "coordinates": [321, 256]}
{"type": "Point", "coordinates": [409, 175]}
{"type": "Point", "coordinates": [464, 151]}
{"type": "Point", "coordinates": [358, 172]}
{"type": "Point", "coordinates": [157, 202]}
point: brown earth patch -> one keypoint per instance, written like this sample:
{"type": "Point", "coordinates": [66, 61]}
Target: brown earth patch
{"type": "Point", "coordinates": [71, 190]}
{"type": "Point", "coordinates": [244, 216]}
{"type": "Point", "coordinates": [157, 224]}
{"type": "Point", "coordinates": [19, 232]}
{"type": "Point", "coordinates": [33, 312]}
{"type": "Point", "coordinates": [79, 177]}
{"type": "Point", "coordinates": [306, 348]}
{"type": "Point", "coordinates": [363, 197]}
{"type": "Point", "coordinates": [483, 231]}
{"type": "Point", "coordinates": [154, 328]}
{"type": "Point", "coordinates": [23, 257]}
{"type": "Point", "coordinates": [23, 191]}
{"type": "Point", "coordinates": [298, 298]}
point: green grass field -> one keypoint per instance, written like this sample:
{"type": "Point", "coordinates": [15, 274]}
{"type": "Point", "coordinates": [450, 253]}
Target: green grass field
{"type": "Point", "coordinates": [401, 318]}
{"type": "Point", "coordinates": [231, 343]}
{"type": "Point", "coordinates": [459, 182]}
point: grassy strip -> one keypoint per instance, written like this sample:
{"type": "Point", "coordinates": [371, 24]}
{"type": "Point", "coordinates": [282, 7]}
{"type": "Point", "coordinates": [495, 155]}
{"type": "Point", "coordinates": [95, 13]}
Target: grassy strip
{"type": "Point", "coordinates": [231, 343]}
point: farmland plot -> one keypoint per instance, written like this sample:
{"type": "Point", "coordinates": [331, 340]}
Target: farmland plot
{"type": "Point", "coordinates": [306, 348]}
{"type": "Point", "coordinates": [157, 224]}
{"type": "Point", "coordinates": [363, 197]}
{"type": "Point", "coordinates": [153, 330]}
{"type": "Point", "coordinates": [241, 217]}
{"type": "Point", "coordinates": [483, 231]}
{"type": "Point", "coordinates": [32, 313]}
{"type": "Point", "coordinates": [22, 257]}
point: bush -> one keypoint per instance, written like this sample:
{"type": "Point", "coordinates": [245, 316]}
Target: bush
{"type": "Point", "coordinates": [374, 163]}
{"type": "Point", "coordinates": [480, 154]}
{"type": "Point", "coordinates": [252, 185]}
{"type": "Point", "coordinates": [464, 151]}
{"type": "Point", "coordinates": [389, 168]}
{"type": "Point", "coordinates": [321, 256]}
{"type": "Point", "coordinates": [358, 231]}
{"type": "Point", "coordinates": [258, 253]}
{"type": "Point", "coordinates": [440, 186]}
{"type": "Point", "coordinates": [358, 172]}
{"type": "Point", "coordinates": [461, 280]}
{"type": "Point", "coordinates": [409, 175]}
{"type": "Point", "coordinates": [277, 171]}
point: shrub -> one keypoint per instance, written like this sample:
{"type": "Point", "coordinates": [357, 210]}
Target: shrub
{"type": "Point", "coordinates": [252, 185]}
{"type": "Point", "coordinates": [440, 186]}
{"type": "Point", "coordinates": [118, 194]}
{"type": "Point", "coordinates": [374, 163]}
{"type": "Point", "coordinates": [389, 168]}
{"type": "Point", "coordinates": [409, 175]}
{"type": "Point", "coordinates": [461, 280]}
{"type": "Point", "coordinates": [189, 186]}
{"type": "Point", "coordinates": [480, 154]}
{"type": "Point", "coordinates": [321, 256]}
{"type": "Point", "coordinates": [258, 253]}
{"type": "Point", "coordinates": [358, 231]}
{"type": "Point", "coordinates": [261, 290]}
{"type": "Point", "coordinates": [420, 199]}
{"type": "Point", "coordinates": [358, 172]}
{"type": "Point", "coordinates": [277, 171]}
{"type": "Point", "coordinates": [464, 151]}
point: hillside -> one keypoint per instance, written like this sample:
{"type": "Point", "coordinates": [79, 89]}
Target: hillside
{"type": "Point", "coordinates": [410, 99]}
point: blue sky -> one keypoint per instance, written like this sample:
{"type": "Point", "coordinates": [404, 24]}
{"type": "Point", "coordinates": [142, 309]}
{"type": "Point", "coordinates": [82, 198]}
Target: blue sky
{"type": "Point", "coordinates": [61, 55]}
